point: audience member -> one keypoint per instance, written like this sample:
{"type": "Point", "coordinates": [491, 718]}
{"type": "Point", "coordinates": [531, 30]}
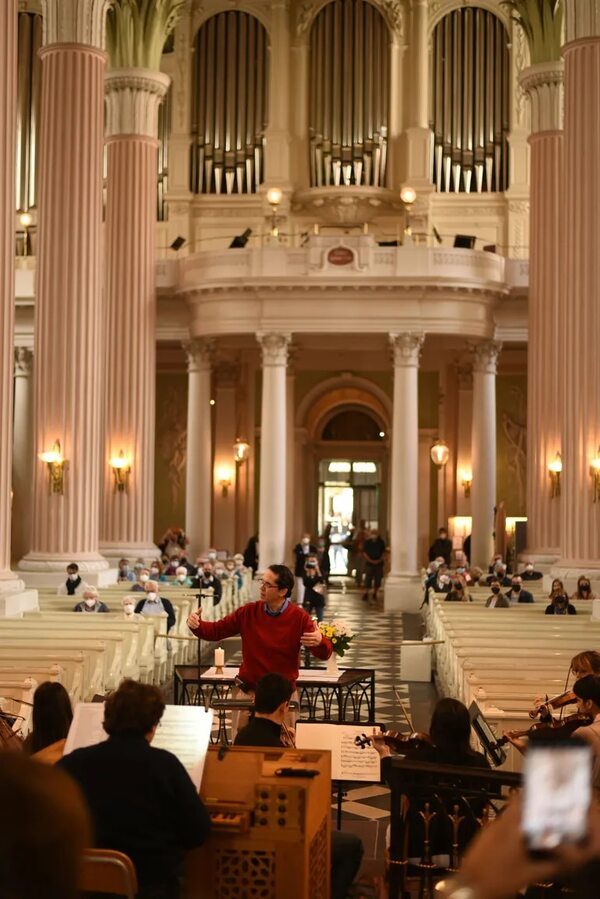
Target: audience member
{"type": "Point", "coordinates": [153, 604]}
{"type": "Point", "coordinates": [157, 571]}
{"type": "Point", "coordinates": [325, 562]}
{"type": "Point", "coordinates": [125, 574]}
{"type": "Point", "coordinates": [314, 588]}
{"type": "Point", "coordinates": [273, 693]}
{"type": "Point", "coordinates": [91, 602]}
{"type": "Point", "coordinates": [142, 799]}
{"type": "Point", "coordinates": [457, 591]}
{"type": "Point", "coordinates": [516, 593]}
{"type": "Point", "coordinates": [373, 554]}
{"type": "Point", "coordinates": [499, 572]}
{"type": "Point", "coordinates": [560, 605]}
{"type": "Point", "coordinates": [182, 578]}
{"type": "Point", "coordinates": [129, 603]}
{"type": "Point", "coordinates": [173, 540]}
{"type": "Point", "coordinates": [251, 554]}
{"type": "Point", "coordinates": [44, 830]}
{"type": "Point", "coordinates": [74, 585]}
{"type": "Point", "coordinates": [301, 552]}
{"type": "Point", "coordinates": [219, 570]}
{"type": "Point", "coordinates": [143, 576]}
{"type": "Point", "coordinates": [51, 718]}
{"type": "Point", "coordinates": [584, 588]}
{"type": "Point", "coordinates": [173, 564]}
{"type": "Point", "coordinates": [497, 600]}
{"type": "Point", "coordinates": [206, 580]}
{"type": "Point", "coordinates": [557, 588]}
{"type": "Point", "coordinates": [441, 546]}
{"type": "Point", "coordinates": [530, 574]}
{"type": "Point", "coordinates": [497, 560]}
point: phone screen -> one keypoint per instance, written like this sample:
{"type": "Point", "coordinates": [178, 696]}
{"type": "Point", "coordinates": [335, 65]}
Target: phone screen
{"type": "Point", "coordinates": [557, 794]}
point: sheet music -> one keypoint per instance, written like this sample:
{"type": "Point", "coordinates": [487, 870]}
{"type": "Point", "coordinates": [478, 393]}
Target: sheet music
{"type": "Point", "coordinates": [184, 730]}
{"type": "Point", "coordinates": [349, 761]}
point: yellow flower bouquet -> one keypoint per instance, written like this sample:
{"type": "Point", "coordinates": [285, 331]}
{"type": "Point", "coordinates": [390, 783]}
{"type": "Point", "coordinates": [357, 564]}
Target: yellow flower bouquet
{"type": "Point", "coordinates": [339, 633]}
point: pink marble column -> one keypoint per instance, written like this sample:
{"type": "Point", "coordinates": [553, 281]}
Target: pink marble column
{"type": "Point", "coordinates": [132, 100]}
{"type": "Point", "coordinates": [580, 323]}
{"type": "Point", "coordinates": [483, 451]}
{"type": "Point", "coordinates": [8, 111]}
{"type": "Point", "coordinates": [543, 83]}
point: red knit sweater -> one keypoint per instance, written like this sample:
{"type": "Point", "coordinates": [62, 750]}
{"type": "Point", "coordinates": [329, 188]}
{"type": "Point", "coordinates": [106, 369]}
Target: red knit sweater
{"type": "Point", "coordinates": [270, 643]}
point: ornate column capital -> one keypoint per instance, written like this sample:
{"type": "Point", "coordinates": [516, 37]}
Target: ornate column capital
{"type": "Point", "coordinates": [485, 356]}
{"type": "Point", "coordinates": [406, 348]}
{"type": "Point", "coordinates": [132, 100]}
{"type": "Point", "coordinates": [582, 20]}
{"type": "Point", "coordinates": [75, 22]}
{"type": "Point", "coordinates": [23, 362]}
{"type": "Point", "coordinates": [200, 353]}
{"type": "Point", "coordinates": [543, 83]}
{"type": "Point", "coordinates": [274, 348]}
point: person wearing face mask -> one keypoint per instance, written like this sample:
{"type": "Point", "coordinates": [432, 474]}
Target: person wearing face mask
{"type": "Point", "coordinates": [560, 605]}
{"type": "Point", "coordinates": [129, 612]}
{"type": "Point", "coordinates": [530, 574]}
{"type": "Point", "coordinates": [457, 592]}
{"type": "Point", "coordinates": [206, 580]}
{"type": "Point", "coordinates": [157, 571]}
{"type": "Point", "coordinates": [516, 592]}
{"type": "Point", "coordinates": [497, 600]}
{"type": "Point", "coordinates": [125, 574]}
{"type": "Point", "coordinates": [212, 555]}
{"type": "Point", "coordinates": [153, 604]}
{"type": "Point", "coordinates": [142, 579]}
{"type": "Point", "coordinates": [442, 582]}
{"type": "Point", "coordinates": [181, 577]}
{"type": "Point", "coordinates": [584, 588]}
{"type": "Point", "coordinates": [373, 553]}
{"type": "Point", "coordinates": [172, 567]}
{"type": "Point", "coordinates": [74, 585]}
{"type": "Point", "coordinates": [301, 552]}
{"type": "Point", "coordinates": [500, 574]}
{"type": "Point", "coordinates": [91, 602]}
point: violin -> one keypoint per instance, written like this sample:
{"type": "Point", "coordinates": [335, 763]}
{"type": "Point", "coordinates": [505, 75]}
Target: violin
{"type": "Point", "coordinates": [562, 728]}
{"type": "Point", "coordinates": [9, 739]}
{"type": "Point", "coordinates": [557, 702]}
{"type": "Point", "coordinates": [398, 742]}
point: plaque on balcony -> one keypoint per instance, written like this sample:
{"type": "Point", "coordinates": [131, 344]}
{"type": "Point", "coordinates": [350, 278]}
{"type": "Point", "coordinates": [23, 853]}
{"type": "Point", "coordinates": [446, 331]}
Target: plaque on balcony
{"type": "Point", "coordinates": [340, 256]}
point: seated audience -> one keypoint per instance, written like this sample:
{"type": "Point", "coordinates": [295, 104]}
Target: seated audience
{"type": "Point", "coordinates": [74, 585]}
{"type": "Point", "coordinates": [51, 719]}
{"type": "Point", "coordinates": [206, 580]}
{"type": "Point", "coordinates": [457, 592]}
{"type": "Point", "coordinates": [497, 600]}
{"type": "Point", "coordinates": [314, 588]}
{"type": "Point", "coordinates": [142, 800]}
{"type": "Point", "coordinates": [44, 829]}
{"type": "Point", "coordinates": [157, 571]}
{"type": "Point", "coordinates": [530, 574]}
{"type": "Point", "coordinates": [219, 570]}
{"type": "Point", "coordinates": [129, 612]}
{"type": "Point", "coordinates": [584, 588]}
{"type": "Point", "coordinates": [516, 593]}
{"type": "Point", "coordinates": [500, 573]}
{"type": "Point", "coordinates": [441, 546]}
{"type": "Point", "coordinates": [495, 562]}
{"type": "Point", "coordinates": [91, 602]}
{"type": "Point", "coordinates": [125, 573]}
{"type": "Point", "coordinates": [143, 576]}
{"type": "Point", "coordinates": [273, 694]}
{"type": "Point", "coordinates": [560, 605]}
{"type": "Point", "coordinates": [172, 566]}
{"type": "Point", "coordinates": [557, 588]}
{"type": "Point", "coordinates": [182, 579]}
{"type": "Point", "coordinates": [153, 604]}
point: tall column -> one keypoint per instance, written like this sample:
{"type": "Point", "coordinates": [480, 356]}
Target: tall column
{"type": "Point", "coordinates": [580, 322]}
{"type": "Point", "coordinates": [198, 475]}
{"type": "Point", "coordinates": [273, 446]}
{"type": "Point", "coordinates": [22, 452]}
{"type": "Point", "coordinates": [483, 451]}
{"type": "Point", "coordinates": [132, 100]}
{"type": "Point", "coordinates": [543, 83]}
{"type": "Point", "coordinates": [69, 332]}
{"type": "Point", "coordinates": [8, 118]}
{"type": "Point", "coordinates": [418, 147]}
{"type": "Point", "coordinates": [402, 584]}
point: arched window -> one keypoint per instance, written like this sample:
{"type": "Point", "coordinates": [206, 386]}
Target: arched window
{"type": "Point", "coordinates": [470, 102]}
{"type": "Point", "coordinates": [351, 424]}
{"type": "Point", "coordinates": [229, 106]}
{"type": "Point", "coordinates": [349, 95]}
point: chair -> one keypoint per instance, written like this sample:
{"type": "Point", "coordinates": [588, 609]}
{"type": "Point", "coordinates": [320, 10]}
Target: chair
{"type": "Point", "coordinates": [108, 871]}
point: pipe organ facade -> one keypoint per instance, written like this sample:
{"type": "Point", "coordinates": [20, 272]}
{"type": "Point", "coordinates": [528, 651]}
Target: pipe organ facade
{"type": "Point", "coordinates": [28, 101]}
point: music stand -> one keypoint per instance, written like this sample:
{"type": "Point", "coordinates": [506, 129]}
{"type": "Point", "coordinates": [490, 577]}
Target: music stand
{"type": "Point", "coordinates": [465, 241]}
{"type": "Point", "coordinates": [486, 736]}
{"type": "Point", "coordinates": [240, 241]}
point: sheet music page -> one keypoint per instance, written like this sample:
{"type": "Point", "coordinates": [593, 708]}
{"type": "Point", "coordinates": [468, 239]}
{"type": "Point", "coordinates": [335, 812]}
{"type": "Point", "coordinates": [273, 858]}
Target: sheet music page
{"type": "Point", "coordinates": [184, 730]}
{"type": "Point", "coordinates": [349, 759]}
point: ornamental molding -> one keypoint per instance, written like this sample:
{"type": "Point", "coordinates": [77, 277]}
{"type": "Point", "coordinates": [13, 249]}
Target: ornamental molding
{"type": "Point", "coordinates": [75, 22]}
{"type": "Point", "coordinates": [392, 11]}
{"type": "Point", "coordinates": [274, 348]}
{"type": "Point", "coordinates": [23, 362]}
{"type": "Point", "coordinates": [485, 356]}
{"type": "Point", "coordinates": [200, 353]}
{"type": "Point", "coordinates": [406, 348]}
{"type": "Point", "coordinates": [132, 100]}
{"type": "Point", "coordinates": [543, 83]}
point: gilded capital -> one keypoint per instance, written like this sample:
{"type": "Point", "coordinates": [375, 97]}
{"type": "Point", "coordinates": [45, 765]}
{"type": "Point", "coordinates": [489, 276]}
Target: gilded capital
{"type": "Point", "coordinates": [485, 356]}
{"type": "Point", "coordinates": [274, 348]}
{"type": "Point", "coordinates": [200, 353]}
{"type": "Point", "coordinates": [406, 348]}
{"type": "Point", "coordinates": [75, 22]}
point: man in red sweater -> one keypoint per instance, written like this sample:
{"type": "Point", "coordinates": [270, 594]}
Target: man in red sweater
{"type": "Point", "coordinates": [272, 629]}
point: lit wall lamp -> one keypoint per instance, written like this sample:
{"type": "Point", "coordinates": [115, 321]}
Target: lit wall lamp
{"type": "Point", "coordinates": [224, 476]}
{"type": "Point", "coordinates": [595, 473]}
{"type": "Point", "coordinates": [408, 195]}
{"type": "Point", "coordinates": [554, 472]}
{"type": "Point", "coordinates": [121, 469]}
{"type": "Point", "coordinates": [467, 480]}
{"type": "Point", "coordinates": [439, 453]}
{"type": "Point", "coordinates": [26, 220]}
{"type": "Point", "coordinates": [274, 197]}
{"type": "Point", "coordinates": [240, 451]}
{"type": "Point", "coordinates": [56, 468]}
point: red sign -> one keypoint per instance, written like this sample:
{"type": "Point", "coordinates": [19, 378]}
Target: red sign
{"type": "Point", "coordinates": [340, 256]}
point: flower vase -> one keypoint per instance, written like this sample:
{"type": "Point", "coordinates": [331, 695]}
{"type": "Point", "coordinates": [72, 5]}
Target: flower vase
{"type": "Point", "coordinates": [332, 665]}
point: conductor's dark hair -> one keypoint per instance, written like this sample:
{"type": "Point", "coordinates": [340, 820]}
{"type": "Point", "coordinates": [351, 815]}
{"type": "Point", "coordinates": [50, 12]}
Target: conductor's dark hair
{"type": "Point", "coordinates": [284, 576]}
{"type": "Point", "coordinates": [271, 691]}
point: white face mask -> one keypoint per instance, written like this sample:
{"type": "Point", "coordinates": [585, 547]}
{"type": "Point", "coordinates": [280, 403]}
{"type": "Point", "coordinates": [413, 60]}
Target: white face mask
{"type": "Point", "coordinates": [90, 603]}
{"type": "Point", "coordinates": [529, 568]}
{"type": "Point", "coordinates": [73, 577]}
{"type": "Point", "coordinates": [181, 578]}
{"type": "Point", "coordinates": [151, 596]}
{"type": "Point", "coordinates": [212, 555]}
{"type": "Point", "coordinates": [128, 608]}
{"type": "Point", "coordinates": [146, 577]}
{"type": "Point", "coordinates": [153, 571]}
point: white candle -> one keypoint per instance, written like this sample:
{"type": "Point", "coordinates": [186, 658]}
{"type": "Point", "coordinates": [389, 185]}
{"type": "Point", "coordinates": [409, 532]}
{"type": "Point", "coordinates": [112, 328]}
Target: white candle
{"type": "Point", "coordinates": [219, 657]}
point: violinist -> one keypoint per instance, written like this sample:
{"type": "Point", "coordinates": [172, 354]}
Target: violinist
{"type": "Point", "coordinates": [586, 662]}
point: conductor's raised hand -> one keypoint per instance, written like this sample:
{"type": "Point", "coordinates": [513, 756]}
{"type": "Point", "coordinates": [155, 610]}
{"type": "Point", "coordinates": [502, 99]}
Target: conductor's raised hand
{"type": "Point", "coordinates": [312, 638]}
{"type": "Point", "coordinates": [194, 619]}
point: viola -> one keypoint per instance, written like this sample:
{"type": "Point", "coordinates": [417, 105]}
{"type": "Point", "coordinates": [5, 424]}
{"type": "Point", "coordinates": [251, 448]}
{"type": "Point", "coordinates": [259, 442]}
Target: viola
{"type": "Point", "coordinates": [563, 728]}
{"type": "Point", "coordinates": [400, 743]}
{"type": "Point", "coordinates": [557, 702]}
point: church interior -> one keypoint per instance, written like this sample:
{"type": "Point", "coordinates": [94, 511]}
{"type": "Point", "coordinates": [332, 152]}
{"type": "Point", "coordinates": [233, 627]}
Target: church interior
{"type": "Point", "coordinates": [299, 382]}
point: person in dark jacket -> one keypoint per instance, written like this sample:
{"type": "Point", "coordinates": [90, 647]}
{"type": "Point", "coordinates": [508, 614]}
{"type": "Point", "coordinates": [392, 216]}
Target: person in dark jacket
{"type": "Point", "coordinates": [251, 554]}
{"type": "Point", "coordinates": [302, 551]}
{"type": "Point", "coordinates": [153, 604]}
{"type": "Point", "coordinates": [516, 592]}
{"type": "Point", "coordinates": [441, 546]}
{"type": "Point", "coordinates": [206, 579]}
{"type": "Point", "coordinates": [560, 605]}
{"type": "Point", "coordinates": [314, 588]}
{"type": "Point", "coordinates": [142, 800]}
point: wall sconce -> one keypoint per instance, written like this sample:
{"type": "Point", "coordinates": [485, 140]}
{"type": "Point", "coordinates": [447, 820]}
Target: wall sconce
{"type": "Point", "coordinates": [240, 451]}
{"type": "Point", "coordinates": [121, 469]}
{"type": "Point", "coordinates": [408, 195]}
{"type": "Point", "coordinates": [224, 477]}
{"type": "Point", "coordinates": [56, 468]}
{"type": "Point", "coordinates": [274, 196]}
{"type": "Point", "coordinates": [26, 221]}
{"type": "Point", "coordinates": [439, 453]}
{"type": "Point", "coordinates": [467, 480]}
{"type": "Point", "coordinates": [554, 472]}
{"type": "Point", "coordinates": [595, 473]}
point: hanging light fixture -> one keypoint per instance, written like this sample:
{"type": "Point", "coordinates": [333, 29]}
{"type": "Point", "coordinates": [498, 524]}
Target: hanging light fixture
{"type": "Point", "coordinates": [439, 453]}
{"type": "Point", "coordinates": [240, 451]}
{"type": "Point", "coordinates": [554, 472]}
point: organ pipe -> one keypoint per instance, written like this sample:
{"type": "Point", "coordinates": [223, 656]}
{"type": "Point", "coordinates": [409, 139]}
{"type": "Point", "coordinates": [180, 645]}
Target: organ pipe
{"type": "Point", "coordinates": [470, 102]}
{"type": "Point", "coordinates": [229, 117]}
{"type": "Point", "coordinates": [164, 129]}
{"type": "Point", "coordinates": [349, 75]}
{"type": "Point", "coordinates": [28, 97]}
